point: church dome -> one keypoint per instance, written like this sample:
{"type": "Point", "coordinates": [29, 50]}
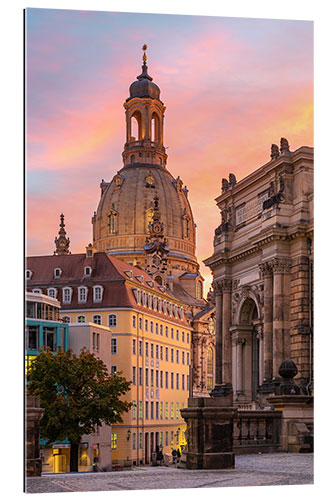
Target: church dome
{"type": "Point", "coordinates": [144, 86]}
{"type": "Point", "coordinates": [126, 208]}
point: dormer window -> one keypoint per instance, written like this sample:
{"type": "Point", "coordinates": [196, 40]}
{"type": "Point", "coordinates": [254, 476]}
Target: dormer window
{"type": "Point", "coordinates": [57, 272]}
{"type": "Point", "coordinates": [37, 290]}
{"type": "Point", "coordinates": [28, 274]}
{"type": "Point", "coordinates": [98, 293]}
{"type": "Point", "coordinates": [52, 292]}
{"type": "Point", "coordinates": [82, 293]}
{"type": "Point", "coordinates": [87, 271]}
{"type": "Point", "coordinates": [67, 295]}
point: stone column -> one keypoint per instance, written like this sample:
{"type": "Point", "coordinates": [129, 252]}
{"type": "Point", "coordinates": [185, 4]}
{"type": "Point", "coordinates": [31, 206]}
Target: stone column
{"type": "Point", "coordinates": [267, 273]}
{"type": "Point", "coordinates": [128, 128]}
{"type": "Point", "coordinates": [239, 364]}
{"type": "Point", "coordinates": [280, 268]}
{"type": "Point", "coordinates": [226, 337]}
{"type": "Point", "coordinates": [260, 337]}
{"type": "Point", "coordinates": [218, 333]}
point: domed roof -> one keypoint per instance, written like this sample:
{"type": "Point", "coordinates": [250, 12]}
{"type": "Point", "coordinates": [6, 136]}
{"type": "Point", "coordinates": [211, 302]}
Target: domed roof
{"type": "Point", "coordinates": [130, 196]}
{"type": "Point", "coordinates": [144, 86]}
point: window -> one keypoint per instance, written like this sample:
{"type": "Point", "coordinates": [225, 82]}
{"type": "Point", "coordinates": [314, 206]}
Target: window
{"type": "Point", "coordinates": [134, 440]}
{"type": "Point", "coordinates": [183, 382]}
{"type": "Point", "coordinates": [166, 438]}
{"type": "Point", "coordinates": [112, 320]}
{"type": "Point", "coordinates": [98, 293]}
{"type": "Point", "coordinates": [152, 410]}
{"type": "Point", "coordinates": [161, 329]}
{"type": "Point", "coordinates": [140, 347]}
{"type": "Point", "coordinates": [140, 323]}
{"type": "Point", "coordinates": [82, 291]}
{"type": "Point", "coordinates": [177, 381]}
{"type": "Point", "coordinates": [151, 327]}
{"type": "Point", "coordinates": [171, 410]}
{"type": "Point", "coordinates": [151, 350]}
{"type": "Point", "coordinates": [199, 289]}
{"type": "Point", "coordinates": [95, 340]}
{"type": "Point", "coordinates": [146, 325]}
{"type": "Point", "coordinates": [157, 413]}
{"type": "Point", "coordinates": [166, 411]}
{"type": "Point", "coordinates": [156, 328]}
{"type": "Point", "coordinates": [209, 368]}
{"type": "Point", "coordinates": [187, 382]}
{"type": "Point", "coordinates": [166, 331]}
{"type": "Point", "coordinates": [161, 353]}
{"type": "Point", "coordinates": [66, 319]}
{"type": "Point", "coordinates": [183, 337]}
{"type": "Point", "coordinates": [177, 334]}
{"type": "Point", "coordinates": [114, 346]}
{"type": "Point", "coordinates": [157, 378]}
{"type": "Point", "coordinates": [161, 379]}
{"type": "Point", "coordinates": [97, 319]}
{"type": "Point", "coordinates": [177, 410]}
{"type": "Point", "coordinates": [147, 410]}
{"type": "Point", "coordinates": [167, 380]}
{"type": "Point", "coordinates": [172, 333]}
{"type": "Point", "coordinates": [147, 377]}
{"type": "Point", "coordinates": [32, 337]}
{"type": "Point", "coordinates": [172, 437]}
{"type": "Point", "coordinates": [140, 440]}
{"type": "Point", "coordinates": [134, 409]}
{"type": "Point", "coordinates": [113, 370]}
{"type": "Point", "coordinates": [171, 380]}
{"type": "Point", "coordinates": [183, 357]}
{"type": "Point", "coordinates": [167, 354]}
{"type": "Point", "coordinates": [147, 349]}
{"type": "Point", "coordinates": [52, 292]}
{"type": "Point", "coordinates": [49, 338]}
{"type": "Point", "coordinates": [134, 346]}
{"type": "Point", "coordinates": [81, 319]}
{"type": "Point", "coordinates": [113, 440]}
{"type": "Point", "coordinates": [161, 416]}
{"type": "Point", "coordinates": [87, 271]}
{"type": "Point", "coordinates": [66, 295]}
{"type": "Point", "coordinates": [36, 290]}
{"type": "Point", "coordinates": [134, 375]}
{"type": "Point", "coordinates": [171, 355]}
{"type": "Point", "coordinates": [57, 272]}
{"type": "Point", "coordinates": [112, 222]}
{"type": "Point", "coordinates": [187, 358]}
{"type": "Point", "coordinates": [132, 158]}
{"type": "Point", "coordinates": [28, 274]}
{"type": "Point", "coordinates": [134, 321]}
{"type": "Point", "coordinates": [157, 352]}
{"type": "Point", "coordinates": [152, 378]}
{"type": "Point", "coordinates": [188, 338]}
{"type": "Point", "coordinates": [140, 410]}
{"type": "Point", "coordinates": [140, 375]}
{"type": "Point", "coordinates": [177, 356]}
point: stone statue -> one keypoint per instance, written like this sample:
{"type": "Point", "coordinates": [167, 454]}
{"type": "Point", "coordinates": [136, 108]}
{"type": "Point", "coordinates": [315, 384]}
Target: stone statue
{"type": "Point", "coordinates": [275, 151]}
{"type": "Point", "coordinates": [232, 180]}
{"type": "Point", "coordinates": [225, 185]}
{"type": "Point", "coordinates": [284, 146]}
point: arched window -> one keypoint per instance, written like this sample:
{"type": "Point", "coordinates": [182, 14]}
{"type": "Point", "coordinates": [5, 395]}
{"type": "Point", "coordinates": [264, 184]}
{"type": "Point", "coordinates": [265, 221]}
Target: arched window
{"type": "Point", "coordinates": [136, 127]}
{"type": "Point", "coordinates": [199, 289]}
{"type": "Point", "coordinates": [112, 320]}
{"type": "Point", "coordinates": [210, 368]}
{"type": "Point", "coordinates": [81, 319]}
{"type": "Point", "coordinates": [57, 272]}
{"type": "Point", "coordinates": [28, 274]}
{"type": "Point", "coordinates": [155, 128]}
{"type": "Point", "coordinates": [113, 222]}
{"type": "Point", "coordinates": [66, 319]}
{"type": "Point", "coordinates": [132, 160]}
{"type": "Point", "coordinates": [97, 318]}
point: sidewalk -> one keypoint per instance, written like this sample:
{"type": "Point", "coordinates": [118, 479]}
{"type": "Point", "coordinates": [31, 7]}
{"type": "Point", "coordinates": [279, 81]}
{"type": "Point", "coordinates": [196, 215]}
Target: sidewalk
{"type": "Point", "coordinates": [250, 470]}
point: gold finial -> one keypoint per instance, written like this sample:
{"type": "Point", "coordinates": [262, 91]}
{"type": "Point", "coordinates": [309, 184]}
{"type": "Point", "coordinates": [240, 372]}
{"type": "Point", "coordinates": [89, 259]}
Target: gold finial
{"type": "Point", "coordinates": [144, 57]}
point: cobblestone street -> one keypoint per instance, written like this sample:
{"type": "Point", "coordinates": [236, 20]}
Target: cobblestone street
{"type": "Point", "coordinates": [250, 470]}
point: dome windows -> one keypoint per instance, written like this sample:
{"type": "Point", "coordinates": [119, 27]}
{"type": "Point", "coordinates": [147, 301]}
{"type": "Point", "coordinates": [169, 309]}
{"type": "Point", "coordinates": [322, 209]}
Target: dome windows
{"type": "Point", "coordinates": [113, 222]}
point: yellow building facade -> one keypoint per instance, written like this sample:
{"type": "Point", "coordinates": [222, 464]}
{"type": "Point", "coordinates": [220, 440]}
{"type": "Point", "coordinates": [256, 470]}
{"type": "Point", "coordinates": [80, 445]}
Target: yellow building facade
{"type": "Point", "coordinates": [150, 343]}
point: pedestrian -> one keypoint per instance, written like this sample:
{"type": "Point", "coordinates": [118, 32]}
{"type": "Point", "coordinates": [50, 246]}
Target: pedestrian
{"type": "Point", "coordinates": [174, 456]}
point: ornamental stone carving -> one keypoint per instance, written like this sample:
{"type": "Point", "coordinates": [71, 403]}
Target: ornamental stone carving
{"type": "Point", "coordinates": [222, 285]}
{"type": "Point", "coordinates": [281, 266]}
{"type": "Point", "coordinates": [275, 151]}
{"type": "Point", "coordinates": [265, 269]}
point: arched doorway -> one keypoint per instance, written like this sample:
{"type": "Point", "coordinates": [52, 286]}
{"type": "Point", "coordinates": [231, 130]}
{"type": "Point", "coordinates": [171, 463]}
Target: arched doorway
{"type": "Point", "coordinates": [246, 352]}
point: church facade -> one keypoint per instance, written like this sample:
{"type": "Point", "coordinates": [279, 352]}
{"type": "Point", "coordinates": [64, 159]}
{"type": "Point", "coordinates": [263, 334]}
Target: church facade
{"type": "Point", "coordinates": [262, 265]}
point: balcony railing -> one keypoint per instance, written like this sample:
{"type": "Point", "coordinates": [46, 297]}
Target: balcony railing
{"type": "Point", "coordinates": [257, 431]}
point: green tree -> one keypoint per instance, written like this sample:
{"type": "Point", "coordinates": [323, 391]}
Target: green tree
{"type": "Point", "coordinates": [77, 394]}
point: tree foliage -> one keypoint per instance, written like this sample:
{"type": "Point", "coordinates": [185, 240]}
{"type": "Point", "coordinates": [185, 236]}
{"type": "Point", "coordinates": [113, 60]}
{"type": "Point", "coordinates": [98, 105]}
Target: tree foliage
{"type": "Point", "coordinates": [77, 394]}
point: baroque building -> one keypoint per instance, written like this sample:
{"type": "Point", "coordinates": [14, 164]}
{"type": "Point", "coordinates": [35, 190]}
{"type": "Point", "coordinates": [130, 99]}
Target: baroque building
{"type": "Point", "coordinates": [262, 264]}
{"type": "Point", "coordinates": [144, 216]}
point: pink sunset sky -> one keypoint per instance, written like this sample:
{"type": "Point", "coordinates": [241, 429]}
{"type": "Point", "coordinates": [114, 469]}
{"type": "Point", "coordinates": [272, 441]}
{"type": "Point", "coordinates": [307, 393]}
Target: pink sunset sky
{"type": "Point", "coordinates": [232, 87]}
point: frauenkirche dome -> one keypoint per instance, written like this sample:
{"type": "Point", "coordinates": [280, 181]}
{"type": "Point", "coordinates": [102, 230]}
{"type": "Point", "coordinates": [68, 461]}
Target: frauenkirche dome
{"type": "Point", "coordinates": [143, 202]}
